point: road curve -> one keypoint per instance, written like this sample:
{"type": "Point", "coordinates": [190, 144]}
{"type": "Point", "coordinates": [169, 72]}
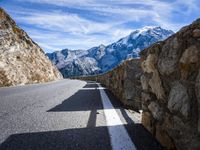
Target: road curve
{"type": "Point", "coordinates": [65, 115]}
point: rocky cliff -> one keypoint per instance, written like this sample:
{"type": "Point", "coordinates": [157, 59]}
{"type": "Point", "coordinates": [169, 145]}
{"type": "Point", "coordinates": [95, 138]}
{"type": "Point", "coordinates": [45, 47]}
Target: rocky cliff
{"type": "Point", "coordinates": [168, 88]}
{"type": "Point", "coordinates": [21, 60]}
{"type": "Point", "coordinates": [171, 89]}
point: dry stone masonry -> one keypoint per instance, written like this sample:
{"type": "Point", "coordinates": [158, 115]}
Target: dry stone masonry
{"type": "Point", "coordinates": [171, 89]}
{"type": "Point", "coordinates": [168, 90]}
{"type": "Point", "coordinates": [123, 82]}
{"type": "Point", "coordinates": [21, 60]}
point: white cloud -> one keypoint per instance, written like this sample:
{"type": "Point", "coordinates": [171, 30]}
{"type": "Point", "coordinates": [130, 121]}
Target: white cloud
{"type": "Point", "coordinates": [72, 30]}
{"type": "Point", "coordinates": [63, 22]}
{"type": "Point", "coordinates": [64, 30]}
{"type": "Point", "coordinates": [51, 41]}
{"type": "Point", "coordinates": [159, 11]}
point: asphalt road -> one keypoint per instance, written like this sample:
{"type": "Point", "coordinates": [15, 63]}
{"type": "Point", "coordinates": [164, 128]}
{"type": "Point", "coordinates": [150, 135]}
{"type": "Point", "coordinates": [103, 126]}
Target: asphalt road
{"type": "Point", "coordinates": [65, 115]}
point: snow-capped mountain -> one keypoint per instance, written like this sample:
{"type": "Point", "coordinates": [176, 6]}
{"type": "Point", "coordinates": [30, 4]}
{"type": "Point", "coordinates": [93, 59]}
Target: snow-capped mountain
{"type": "Point", "coordinates": [103, 58]}
{"type": "Point", "coordinates": [74, 62]}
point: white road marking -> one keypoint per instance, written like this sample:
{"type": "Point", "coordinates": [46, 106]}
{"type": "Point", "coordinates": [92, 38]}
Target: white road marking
{"type": "Point", "coordinates": [119, 137]}
{"type": "Point", "coordinates": [95, 88]}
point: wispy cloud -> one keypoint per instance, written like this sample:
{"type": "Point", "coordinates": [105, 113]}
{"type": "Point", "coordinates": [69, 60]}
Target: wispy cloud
{"type": "Point", "coordinates": [57, 40]}
{"type": "Point", "coordinates": [65, 22]}
{"type": "Point", "coordinates": [81, 24]}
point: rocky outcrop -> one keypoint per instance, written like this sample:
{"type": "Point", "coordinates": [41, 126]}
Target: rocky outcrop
{"type": "Point", "coordinates": [123, 82]}
{"type": "Point", "coordinates": [21, 60]}
{"type": "Point", "coordinates": [171, 89]}
{"type": "Point", "coordinates": [168, 90]}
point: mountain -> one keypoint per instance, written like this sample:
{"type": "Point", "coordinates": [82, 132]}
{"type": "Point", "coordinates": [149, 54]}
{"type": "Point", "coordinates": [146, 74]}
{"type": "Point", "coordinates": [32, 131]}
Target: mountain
{"type": "Point", "coordinates": [102, 58]}
{"type": "Point", "coordinates": [22, 61]}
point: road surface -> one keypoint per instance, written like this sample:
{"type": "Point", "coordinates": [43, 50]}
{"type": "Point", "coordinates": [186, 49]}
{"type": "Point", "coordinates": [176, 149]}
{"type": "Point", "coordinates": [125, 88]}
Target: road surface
{"type": "Point", "coordinates": [68, 114]}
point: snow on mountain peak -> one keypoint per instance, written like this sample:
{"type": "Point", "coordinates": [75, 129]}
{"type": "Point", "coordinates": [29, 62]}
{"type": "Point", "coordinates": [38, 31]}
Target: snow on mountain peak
{"type": "Point", "coordinates": [145, 28]}
{"type": "Point", "coordinates": [103, 58]}
{"type": "Point", "coordinates": [155, 31]}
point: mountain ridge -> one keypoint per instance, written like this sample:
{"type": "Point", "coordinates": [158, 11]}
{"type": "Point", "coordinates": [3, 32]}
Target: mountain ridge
{"type": "Point", "coordinates": [103, 58]}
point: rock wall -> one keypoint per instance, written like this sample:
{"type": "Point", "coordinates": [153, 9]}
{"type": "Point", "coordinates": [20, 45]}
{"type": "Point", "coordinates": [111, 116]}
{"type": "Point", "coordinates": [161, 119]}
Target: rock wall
{"type": "Point", "coordinates": [123, 82]}
{"type": "Point", "coordinates": [168, 89]}
{"type": "Point", "coordinates": [171, 89]}
{"type": "Point", "coordinates": [21, 60]}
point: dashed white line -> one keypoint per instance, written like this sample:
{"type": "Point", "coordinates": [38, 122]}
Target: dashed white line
{"type": "Point", "coordinates": [119, 137]}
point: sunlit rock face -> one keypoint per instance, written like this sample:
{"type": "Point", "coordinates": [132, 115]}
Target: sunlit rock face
{"type": "Point", "coordinates": [171, 89]}
{"type": "Point", "coordinates": [22, 61]}
{"type": "Point", "coordinates": [102, 58]}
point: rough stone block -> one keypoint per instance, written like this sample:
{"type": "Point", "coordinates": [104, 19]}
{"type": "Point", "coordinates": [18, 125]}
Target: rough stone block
{"type": "Point", "coordinates": [179, 100]}
{"type": "Point", "coordinates": [148, 122]}
{"type": "Point", "coordinates": [156, 111]}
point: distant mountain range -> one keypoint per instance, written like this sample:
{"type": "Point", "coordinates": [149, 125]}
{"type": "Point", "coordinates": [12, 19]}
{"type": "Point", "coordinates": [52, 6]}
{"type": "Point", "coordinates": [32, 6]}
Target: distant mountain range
{"type": "Point", "coordinates": [102, 58]}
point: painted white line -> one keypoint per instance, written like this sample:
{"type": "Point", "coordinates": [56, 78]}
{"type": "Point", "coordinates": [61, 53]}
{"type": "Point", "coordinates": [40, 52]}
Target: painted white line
{"type": "Point", "coordinates": [119, 137]}
{"type": "Point", "coordinates": [95, 88]}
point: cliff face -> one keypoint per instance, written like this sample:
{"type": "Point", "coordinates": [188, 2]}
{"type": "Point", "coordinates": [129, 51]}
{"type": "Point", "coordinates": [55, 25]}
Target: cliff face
{"type": "Point", "coordinates": [21, 60]}
{"type": "Point", "coordinates": [171, 89]}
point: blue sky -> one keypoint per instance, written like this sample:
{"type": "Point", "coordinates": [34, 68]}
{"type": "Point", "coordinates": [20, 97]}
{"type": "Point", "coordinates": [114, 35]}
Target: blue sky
{"type": "Point", "coordinates": [82, 24]}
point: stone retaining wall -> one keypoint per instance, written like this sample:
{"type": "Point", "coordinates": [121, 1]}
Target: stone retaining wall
{"type": "Point", "coordinates": [168, 89]}
{"type": "Point", "coordinates": [171, 89]}
{"type": "Point", "coordinates": [123, 82]}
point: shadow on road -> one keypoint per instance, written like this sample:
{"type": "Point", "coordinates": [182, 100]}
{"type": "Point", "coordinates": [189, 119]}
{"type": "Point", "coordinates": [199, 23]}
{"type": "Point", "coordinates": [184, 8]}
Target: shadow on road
{"type": "Point", "coordinates": [89, 138]}
{"type": "Point", "coordinates": [83, 100]}
{"type": "Point", "coordinates": [92, 138]}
